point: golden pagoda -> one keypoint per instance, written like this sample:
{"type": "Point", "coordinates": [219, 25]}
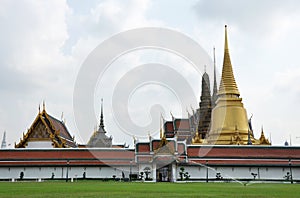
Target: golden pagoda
{"type": "Point", "coordinates": [229, 122]}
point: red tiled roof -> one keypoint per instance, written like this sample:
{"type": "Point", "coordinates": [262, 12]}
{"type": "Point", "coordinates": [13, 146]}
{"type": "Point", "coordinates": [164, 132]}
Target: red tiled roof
{"type": "Point", "coordinates": [169, 126]}
{"type": "Point", "coordinates": [230, 162]}
{"type": "Point", "coordinates": [63, 162]}
{"type": "Point", "coordinates": [181, 148]}
{"type": "Point", "coordinates": [182, 124]}
{"type": "Point", "coordinates": [143, 147]}
{"type": "Point", "coordinates": [155, 144]}
{"type": "Point", "coordinates": [57, 132]}
{"type": "Point", "coordinates": [145, 159]}
{"type": "Point", "coordinates": [66, 154]}
{"type": "Point", "coordinates": [59, 125]}
{"type": "Point", "coordinates": [243, 152]}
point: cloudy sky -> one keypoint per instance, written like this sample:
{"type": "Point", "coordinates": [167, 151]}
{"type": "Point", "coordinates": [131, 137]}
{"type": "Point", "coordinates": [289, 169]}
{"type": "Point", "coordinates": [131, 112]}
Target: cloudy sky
{"type": "Point", "coordinates": [45, 43]}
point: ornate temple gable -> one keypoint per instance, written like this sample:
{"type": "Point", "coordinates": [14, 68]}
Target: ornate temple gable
{"type": "Point", "coordinates": [39, 132]}
{"type": "Point", "coordinates": [47, 128]}
{"type": "Point", "coordinates": [164, 147]}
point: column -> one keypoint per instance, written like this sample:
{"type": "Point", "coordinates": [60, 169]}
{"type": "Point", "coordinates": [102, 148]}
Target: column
{"type": "Point", "coordinates": [174, 172]}
{"type": "Point", "coordinates": [154, 171]}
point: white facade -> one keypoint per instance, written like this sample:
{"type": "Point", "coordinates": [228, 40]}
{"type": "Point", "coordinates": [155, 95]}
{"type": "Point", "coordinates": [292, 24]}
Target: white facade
{"type": "Point", "coordinates": [200, 173]}
{"type": "Point", "coordinates": [60, 172]}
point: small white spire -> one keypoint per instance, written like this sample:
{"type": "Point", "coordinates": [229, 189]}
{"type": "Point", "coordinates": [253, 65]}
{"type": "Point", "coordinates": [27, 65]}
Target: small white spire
{"type": "Point", "coordinates": [3, 144]}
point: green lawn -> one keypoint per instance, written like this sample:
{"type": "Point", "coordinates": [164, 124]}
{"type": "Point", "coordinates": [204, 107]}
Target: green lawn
{"type": "Point", "coordinates": [157, 190]}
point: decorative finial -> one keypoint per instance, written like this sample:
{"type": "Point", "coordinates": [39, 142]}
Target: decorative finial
{"type": "Point", "coordinates": [101, 116]}
{"type": "Point", "coordinates": [39, 108]}
{"type": "Point", "coordinates": [189, 115]}
{"type": "Point", "coordinates": [44, 105]}
{"type": "Point", "coordinates": [226, 41]}
{"type": "Point", "coordinates": [149, 136]}
{"type": "Point", "coordinates": [214, 53]}
{"type": "Point", "coordinates": [134, 140]}
{"type": "Point", "coordinates": [204, 68]}
{"type": "Point", "coordinates": [172, 115]}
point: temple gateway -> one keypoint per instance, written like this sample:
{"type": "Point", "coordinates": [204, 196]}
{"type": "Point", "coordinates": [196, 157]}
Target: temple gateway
{"type": "Point", "coordinates": [215, 143]}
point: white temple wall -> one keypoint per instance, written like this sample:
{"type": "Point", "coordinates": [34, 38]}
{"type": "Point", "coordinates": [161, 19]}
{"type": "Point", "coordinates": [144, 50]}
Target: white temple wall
{"type": "Point", "coordinates": [195, 172]}
{"type": "Point", "coordinates": [61, 172]}
{"type": "Point", "coordinates": [264, 173]}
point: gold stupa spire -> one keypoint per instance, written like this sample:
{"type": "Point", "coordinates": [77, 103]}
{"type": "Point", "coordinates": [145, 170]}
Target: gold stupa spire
{"type": "Point", "coordinates": [229, 122]}
{"type": "Point", "coordinates": [228, 84]}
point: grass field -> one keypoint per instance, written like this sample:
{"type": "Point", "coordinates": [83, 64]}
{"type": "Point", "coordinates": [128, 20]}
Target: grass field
{"type": "Point", "coordinates": [126, 189]}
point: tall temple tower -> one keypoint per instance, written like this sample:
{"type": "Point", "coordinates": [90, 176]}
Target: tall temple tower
{"type": "Point", "coordinates": [229, 122]}
{"type": "Point", "coordinates": [205, 107]}
{"type": "Point", "coordinates": [215, 89]}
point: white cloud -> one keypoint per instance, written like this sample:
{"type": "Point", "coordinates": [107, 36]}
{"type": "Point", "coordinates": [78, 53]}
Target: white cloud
{"type": "Point", "coordinates": [43, 44]}
{"type": "Point", "coordinates": [32, 64]}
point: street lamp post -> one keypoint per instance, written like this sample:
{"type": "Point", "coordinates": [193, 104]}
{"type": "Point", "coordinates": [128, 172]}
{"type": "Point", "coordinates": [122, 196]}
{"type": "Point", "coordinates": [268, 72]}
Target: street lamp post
{"type": "Point", "coordinates": [206, 164]}
{"type": "Point", "coordinates": [291, 173]}
{"type": "Point", "coordinates": [67, 177]}
{"type": "Point", "coordinates": [130, 170]}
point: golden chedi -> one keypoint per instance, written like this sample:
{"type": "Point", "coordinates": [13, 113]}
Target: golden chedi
{"type": "Point", "coordinates": [229, 122]}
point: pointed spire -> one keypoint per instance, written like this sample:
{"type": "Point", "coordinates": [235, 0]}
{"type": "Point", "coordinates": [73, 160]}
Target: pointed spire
{"type": "Point", "coordinates": [205, 88]}
{"type": "Point", "coordinates": [204, 107]}
{"type": "Point", "coordinates": [44, 106]}
{"type": "Point", "coordinates": [39, 108]}
{"type": "Point", "coordinates": [228, 84]}
{"type": "Point", "coordinates": [3, 144]}
{"type": "Point", "coordinates": [263, 139]}
{"type": "Point", "coordinates": [215, 89]}
{"type": "Point", "coordinates": [262, 132]}
{"type": "Point", "coordinates": [101, 117]}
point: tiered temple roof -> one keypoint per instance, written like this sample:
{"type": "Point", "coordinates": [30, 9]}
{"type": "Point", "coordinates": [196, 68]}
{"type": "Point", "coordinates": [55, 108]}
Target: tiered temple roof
{"type": "Point", "coordinates": [46, 128]}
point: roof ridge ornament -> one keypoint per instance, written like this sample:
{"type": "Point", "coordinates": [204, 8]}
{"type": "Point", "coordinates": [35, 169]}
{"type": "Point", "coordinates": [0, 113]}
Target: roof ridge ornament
{"type": "Point", "coordinates": [44, 106]}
